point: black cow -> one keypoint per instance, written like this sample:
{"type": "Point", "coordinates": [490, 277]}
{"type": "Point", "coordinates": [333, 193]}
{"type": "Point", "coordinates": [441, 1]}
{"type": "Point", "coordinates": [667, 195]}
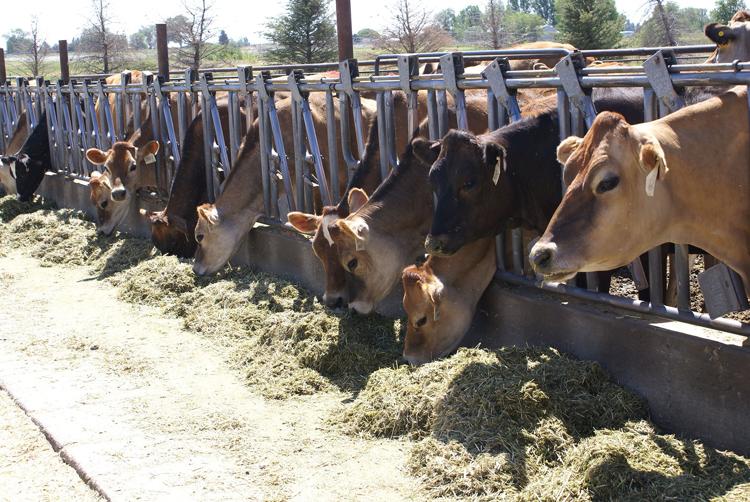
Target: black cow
{"type": "Point", "coordinates": [33, 160]}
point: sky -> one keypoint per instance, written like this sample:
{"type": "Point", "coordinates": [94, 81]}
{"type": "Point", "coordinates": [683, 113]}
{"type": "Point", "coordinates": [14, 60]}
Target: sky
{"type": "Point", "coordinates": [64, 20]}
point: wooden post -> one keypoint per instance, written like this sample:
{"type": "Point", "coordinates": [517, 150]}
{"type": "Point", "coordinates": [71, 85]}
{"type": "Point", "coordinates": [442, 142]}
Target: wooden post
{"type": "Point", "coordinates": [3, 76]}
{"type": "Point", "coordinates": [64, 67]}
{"type": "Point", "coordinates": [344, 29]}
{"type": "Point", "coordinates": [162, 53]}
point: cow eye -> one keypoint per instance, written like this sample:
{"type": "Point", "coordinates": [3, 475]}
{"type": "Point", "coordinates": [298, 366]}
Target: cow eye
{"type": "Point", "coordinates": [133, 166]}
{"type": "Point", "coordinates": [352, 264]}
{"type": "Point", "coordinates": [469, 184]}
{"type": "Point", "coordinates": [422, 321]}
{"type": "Point", "coordinates": [199, 238]}
{"type": "Point", "coordinates": [104, 203]}
{"type": "Point", "coordinates": [607, 184]}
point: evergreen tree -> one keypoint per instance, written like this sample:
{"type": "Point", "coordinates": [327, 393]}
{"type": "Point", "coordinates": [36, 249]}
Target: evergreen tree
{"type": "Point", "coordinates": [223, 38]}
{"type": "Point", "coordinates": [544, 9]}
{"type": "Point", "coordinates": [725, 9]}
{"type": "Point", "coordinates": [589, 24]}
{"type": "Point", "coordinates": [306, 34]}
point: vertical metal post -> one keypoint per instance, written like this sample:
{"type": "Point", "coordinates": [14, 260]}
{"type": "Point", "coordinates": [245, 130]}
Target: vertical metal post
{"type": "Point", "coordinates": [264, 140]}
{"type": "Point", "coordinates": [333, 158]}
{"type": "Point", "coordinates": [3, 75]}
{"type": "Point", "coordinates": [344, 29]}
{"type": "Point", "coordinates": [162, 52]}
{"type": "Point", "coordinates": [64, 66]}
{"type": "Point", "coordinates": [432, 115]}
{"type": "Point", "coordinates": [655, 256]}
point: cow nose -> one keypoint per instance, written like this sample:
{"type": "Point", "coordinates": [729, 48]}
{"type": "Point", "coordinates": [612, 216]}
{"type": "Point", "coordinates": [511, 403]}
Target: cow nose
{"type": "Point", "coordinates": [541, 257]}
{"type": "Point", "coordinates": [434, 244]}
{"type": "Point", "coordinates": [334, 302]}
{"type": "Point", "coordinates": [119, 194]}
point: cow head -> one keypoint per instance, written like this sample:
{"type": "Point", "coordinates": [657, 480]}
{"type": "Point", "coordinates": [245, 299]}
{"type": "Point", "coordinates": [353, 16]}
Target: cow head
{"type": "Point", "coordinates": [732, 40]}
{"type": "Point", "coordinates": [109, 213]}
{"type": "Point", "coordinates": [336, 276]}
{"type": "Point", "coordinates": [610, 212]}
{"type": "Point", "coordinates": [8, 174]}
{"type": "Point", "coordinates": [469, 188]}
{"type": "Point", "coordinates": [367, 254]}
{"type": "Point", "coordinates": [437, 318]}
{"type": "Point", "coordinates": [218, 237]}
{"type": "Point", "coordinates": [171, 234]}
{"type": "Point", "coordinates": [121, 163]}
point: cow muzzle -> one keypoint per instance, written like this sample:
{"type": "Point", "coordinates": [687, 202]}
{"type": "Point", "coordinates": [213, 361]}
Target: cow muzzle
{"type": "Point", "coordinates": [119, 194]}
{"type": "Point", "coordinates": [544, 257]}
{"type": "Point", "coordinates": [439, 245]}
{"type": "Point", "coordinates": [335, 300]}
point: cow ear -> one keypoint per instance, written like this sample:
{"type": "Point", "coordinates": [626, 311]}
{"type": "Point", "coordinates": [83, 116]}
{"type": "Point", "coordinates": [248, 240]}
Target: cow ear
{"type": "Point", "coordinates": [357, 198]}
{"type": "Point", "coordinates": [495, 157]}
{"type": "Point", "coordinates": [209, 213]}
{"type": "Point", "coordinates": [567, 147]}
{"type": "Point", "coordinates": [96, 156]}
{"type": "Point", "coordinates": [356, 229]}
{"type": "Point", "coordinates": [720, 34]}
{"type": "Point", "coordinates": [435, 292]}
{"type": "Point", "coordinates": [653, 162]}
{"type": "Point", "coordinates": [427, 151]}
{"type": "Point", "coordinates": [303, 222]}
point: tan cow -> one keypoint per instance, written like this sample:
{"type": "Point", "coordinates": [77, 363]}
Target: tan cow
{"type": "Point", "coordinates": [683, 178]}
{"type": "Point", "coordinates": [440, 299]}
{"type": "Point", "coordinates": [732, 40]}
{"type": "Point", "coordinates": [222, 226]}
{"type": "Point", "coordinates": [119, 179]}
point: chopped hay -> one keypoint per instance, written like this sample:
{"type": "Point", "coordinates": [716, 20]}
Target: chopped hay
{"type": "Point", "coordinates": [10, 207]}
{"type": "Point", "coordinates": [532, 424]}
{"type": "Point", "coordinates": [514, 424]}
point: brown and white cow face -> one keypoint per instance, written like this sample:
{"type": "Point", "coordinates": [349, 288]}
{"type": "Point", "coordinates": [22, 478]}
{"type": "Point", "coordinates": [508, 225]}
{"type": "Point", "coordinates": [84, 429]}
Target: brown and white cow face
{"type": "Point", "coordinates": [8, 175]}
{"type": "Point", "coordinates": [109, 213]}
{"type": "Point", "coordinates": [611, 211]}
{"type": "Point", "coordinates": [336, 276]}
{"type": "Point", "coordinates": [437, 318]}
{"type": "Point", "coordinates": [370, 256]}
{"type": "Point", "coordinates": [122, 163]}
{"type": "Point", "coordinates": [218, 238]}
{"type": "Point", "coordinates": [732, 40]}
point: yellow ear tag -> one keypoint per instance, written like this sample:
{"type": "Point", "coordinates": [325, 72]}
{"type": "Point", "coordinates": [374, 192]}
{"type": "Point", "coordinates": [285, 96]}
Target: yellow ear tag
{"type": "Point", "coordinates": [496, 174]}
{"type": "Point", "coordinates": [359, 244]}
{"type": "Point", "coordinates": [149, 159]}
{"type": "Point", "coordinates": [721, 33]}
{"type": "Point", "coordinates": [651, 181]}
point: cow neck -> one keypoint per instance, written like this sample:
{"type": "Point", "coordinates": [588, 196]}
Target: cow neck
{"type": "Point", "coordinates": [455, 268]}
{"type": "Point", "coordinates": [533, 171]}
{"type": "Point", "coordinates": [402, 204]}
{"type": "Point", "coordinates": [692, 164]}
{"type": "Point", "coordinates": [243, 189]}
{"type": "Point", "coordinates": [188, 188]}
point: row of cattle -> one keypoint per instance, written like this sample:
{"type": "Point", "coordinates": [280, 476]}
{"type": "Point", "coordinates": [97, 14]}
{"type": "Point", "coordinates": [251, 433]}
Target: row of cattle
{"type": "Point", "coordinates": [631, 186]}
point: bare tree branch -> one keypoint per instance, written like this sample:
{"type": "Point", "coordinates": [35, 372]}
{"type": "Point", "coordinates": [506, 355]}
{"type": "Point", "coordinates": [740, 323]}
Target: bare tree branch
{"type": "Point", "coordinates": [412, 30]}
{"type": "Point", "coordinates": [195, 34]}
{"type": "Point", "coordinates": [35, 50]}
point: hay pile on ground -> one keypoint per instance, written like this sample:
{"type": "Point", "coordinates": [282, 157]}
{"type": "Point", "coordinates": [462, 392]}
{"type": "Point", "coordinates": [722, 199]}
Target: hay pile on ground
{"type": "Point", "coordinates": [531, 424]}
{"type": "Point", "coordinates": [279, 335]}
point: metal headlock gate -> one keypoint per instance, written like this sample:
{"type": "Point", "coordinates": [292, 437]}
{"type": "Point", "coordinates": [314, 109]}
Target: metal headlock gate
{"type": "Point", "coordinates": [75, 125]}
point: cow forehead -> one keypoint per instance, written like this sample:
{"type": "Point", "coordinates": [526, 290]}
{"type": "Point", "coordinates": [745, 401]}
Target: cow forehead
{"type": "Point", "coordinates": [462, 157]}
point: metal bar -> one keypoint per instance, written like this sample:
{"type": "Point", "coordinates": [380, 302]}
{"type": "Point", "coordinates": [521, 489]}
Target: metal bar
{"type": "Point", "coordinates": [3, 73]}
{"type": "Point", "coordinates": [333, 158]}
{"type": "Point", "coordinates": [298, 143]}
{"type": "Point", "coordinates": [265, 151]}
{"type": "Point", "coordinates": [351, 161]}
{"type": "Point", "coordinates": [162, 52]}
{"type": "Point", "coordinates": [382, 144]}
{"type": "Point", "coordinates": [442, 112]}
{"type": "Point", "coordinates": [432, 115]}
{"type": "Point", "coordinates": [64, 66]}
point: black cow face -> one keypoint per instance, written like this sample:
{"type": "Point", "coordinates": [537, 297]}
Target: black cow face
{"type": "Point", "coordinates": [465, 179]}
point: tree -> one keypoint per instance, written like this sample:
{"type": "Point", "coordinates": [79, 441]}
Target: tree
{"type": "Point", "coordinates": [411, 30]}
{"type": "Point", "coordinates": [223, 38]}
{"type": "Point", "coordinates": [725, 9]}
{"type": "Point", "coordinates": [544, 9]}
{"type": "Point", "coordinates": [16, 41]}
{"type": "Point", "coordinates": [144, 38]}
{"type": "Point", "coordinates": [685, 26]}
{"type": "Point", "coordinates": [589, 24]}
{"type": "Point", "coordinates": [470, 17]}
{"type": "Point", "coordinates": [193, 32]}
{"type": "Point", "coordinates": [519, 5]}
{"type": "Point", "coordinates": [105, 49]}
{"type": "Point", "coordinates": [305, 34]}
{"type": "Point", "coordinates": [35, 50]}
{"type": "Point", "coordinates": [368, 33]}
{"type": "Point", "coordinates": [521, 27]}
{"type": "Point", "coordinates": [492, 20]}
{"type": "Point", "coordinates": [446, 19]}
{"type": "Point", "coordinates": [666, 23]}
{"type": "Point", "coordinates": [176, 26]}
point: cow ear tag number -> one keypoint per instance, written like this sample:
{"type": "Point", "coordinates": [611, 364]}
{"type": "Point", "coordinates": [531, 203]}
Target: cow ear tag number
{"type": "Point", "coordinates": [150, 159]}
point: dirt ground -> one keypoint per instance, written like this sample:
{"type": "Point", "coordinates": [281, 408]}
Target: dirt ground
{"type": "Point", "coordinates": [146, 410]}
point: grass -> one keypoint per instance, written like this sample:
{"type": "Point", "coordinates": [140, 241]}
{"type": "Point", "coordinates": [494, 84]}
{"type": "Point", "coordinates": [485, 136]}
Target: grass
{"type": "Point", "coordinates": [511, 424]}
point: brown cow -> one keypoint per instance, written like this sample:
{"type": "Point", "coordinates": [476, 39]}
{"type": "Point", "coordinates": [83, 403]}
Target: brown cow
{"type": "Point", "coordinates": [682, 178]}
{"type": "Point", "coordinates": [221, 226]}
{"type": "Point", "coordinates": [119, 180]}
{"type": "Point", "coordinates": [732, 40]}
{"type": "Point", "coordinates": [172, 228]}
{"type": "Point", "coordinates": [440, 299]}
{"type": "Point", "coordinates": [387, 233]}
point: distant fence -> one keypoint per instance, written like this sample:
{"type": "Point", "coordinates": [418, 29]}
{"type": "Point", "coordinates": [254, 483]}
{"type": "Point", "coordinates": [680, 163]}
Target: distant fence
{"type": "Point", "coordinates": [75, 125]}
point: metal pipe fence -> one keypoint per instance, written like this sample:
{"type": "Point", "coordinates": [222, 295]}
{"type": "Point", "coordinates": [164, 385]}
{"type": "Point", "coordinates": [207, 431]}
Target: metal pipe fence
{"type": "Point", "coordinates": [77, 123]}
